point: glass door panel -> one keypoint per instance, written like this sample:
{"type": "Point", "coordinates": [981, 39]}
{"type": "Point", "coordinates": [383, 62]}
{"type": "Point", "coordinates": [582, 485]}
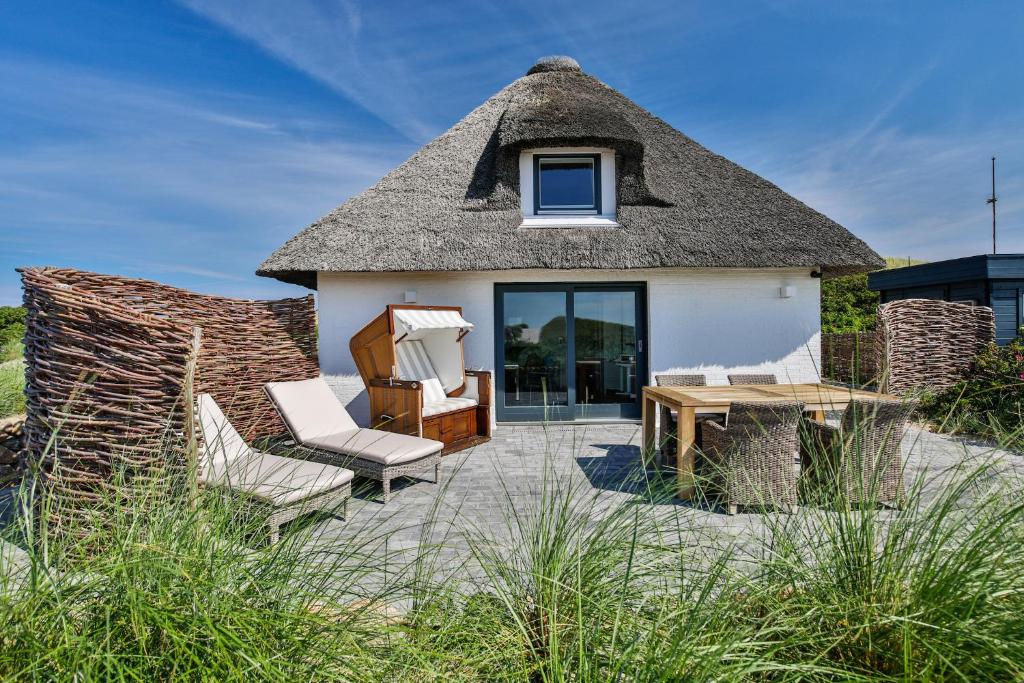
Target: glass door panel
{"type": "Point", "coordinates": [569, 351]}
{"type": "Point", "coordinates": [605, 332]}
{"type": "Point", "coordinates": [535, 354]}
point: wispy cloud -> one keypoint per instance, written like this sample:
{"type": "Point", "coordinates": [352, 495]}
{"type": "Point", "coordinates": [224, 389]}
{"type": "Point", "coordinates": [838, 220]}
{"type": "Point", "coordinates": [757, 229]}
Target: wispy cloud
{"type": "Point", "coordinates": [140, 180]}
{"type": "Point", "coordinates": [908, 194]}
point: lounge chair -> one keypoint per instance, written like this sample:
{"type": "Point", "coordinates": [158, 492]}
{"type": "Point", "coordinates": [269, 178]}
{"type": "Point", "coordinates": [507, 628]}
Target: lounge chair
{"type": "Point", "coordinates": [753, 379]}
{"type": "Point", "coordinates": [862, 456]}
{"type": "Point", "coordinates": [319, 422]}
{"type": "Point", "coordinates": [278, 488]}
{"type": "Point", "coordinates": [754, 458]}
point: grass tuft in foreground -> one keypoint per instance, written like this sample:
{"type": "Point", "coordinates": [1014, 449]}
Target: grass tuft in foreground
{"type": "Point", "coordinates": [570, 584]}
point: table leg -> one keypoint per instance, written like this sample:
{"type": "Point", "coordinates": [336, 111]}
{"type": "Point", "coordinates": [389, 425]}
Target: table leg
{"type": "Point", "coordinates": [649, 417]}
{"type": "Point", "coordinates": [685, 454]}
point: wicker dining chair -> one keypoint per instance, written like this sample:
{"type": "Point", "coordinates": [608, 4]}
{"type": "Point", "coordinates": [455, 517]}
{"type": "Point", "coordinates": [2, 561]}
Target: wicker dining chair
{"type": "Point", "coordinates": [668, 418]}
{"type": "Point", "coordinates": [753, 379]}
{"type": "Point", "coordinates": [753, 460]}
{"type": "Point", "coordinates": [862, 456]}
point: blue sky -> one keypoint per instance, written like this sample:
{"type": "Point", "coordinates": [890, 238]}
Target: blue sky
{"type": "Point", "coordinates": [185, 141]}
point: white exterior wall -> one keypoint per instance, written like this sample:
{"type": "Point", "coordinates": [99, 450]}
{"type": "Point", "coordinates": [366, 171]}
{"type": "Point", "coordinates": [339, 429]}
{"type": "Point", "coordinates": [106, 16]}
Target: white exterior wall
{"type": "Point", "coordinates": [710, 321]}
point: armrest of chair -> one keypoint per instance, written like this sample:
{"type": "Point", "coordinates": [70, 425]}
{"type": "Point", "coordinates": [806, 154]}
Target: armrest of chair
{"type": "Point", "coordinates": [713, 440]}
{"type": "Point", "coordinates": [478, 386]}
{"type": "Point", "coordinates": [396, 405]}
{"type": "Point", "coordinates": [817, 441]}
{"type": "Point", "coordinates": [402, 384]}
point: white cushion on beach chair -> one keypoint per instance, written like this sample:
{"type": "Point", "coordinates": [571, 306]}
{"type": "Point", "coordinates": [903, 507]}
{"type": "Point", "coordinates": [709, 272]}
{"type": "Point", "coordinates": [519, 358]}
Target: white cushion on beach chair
{"type": "Point", "coordinates": [413, 361]}
{"type": "Point", "coordinates": [228, 461]}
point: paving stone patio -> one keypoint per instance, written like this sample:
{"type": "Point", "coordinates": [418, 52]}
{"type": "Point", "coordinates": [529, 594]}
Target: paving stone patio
{"type": "Point", "coordinates": [600, 462]}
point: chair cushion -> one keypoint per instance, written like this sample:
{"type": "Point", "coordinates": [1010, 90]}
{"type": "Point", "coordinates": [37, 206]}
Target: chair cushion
{"type": "Point", "coordinates": [386, 448]}
{"type": "Point", "coordinates": [310, 408]}
{"type": "Point", "coordinates": [447, 405]}
{"type": "Point", "coordinates": [280, 480]}
{"type": "Point", "coordinates": [413, 361]}
{"type": "Point", "coordinates": [222, 444]}
{"type": "Point", "coordinates": [433, 392]}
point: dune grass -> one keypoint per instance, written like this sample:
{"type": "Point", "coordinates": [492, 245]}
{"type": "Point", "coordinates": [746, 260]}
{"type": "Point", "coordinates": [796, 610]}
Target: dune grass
{"type": "Point", "coordinates": [591, 587]}
{"type": "Point", "coordinates": [12, 386]}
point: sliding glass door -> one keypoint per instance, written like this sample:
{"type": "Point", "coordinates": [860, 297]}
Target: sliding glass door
{"type": "Point", "coordinates": [569, 351]}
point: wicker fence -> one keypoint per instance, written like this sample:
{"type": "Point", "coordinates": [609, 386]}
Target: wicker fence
{"type": "Point", "coordinates": [849, 358]}
{"type": "Point", "coordinates": [927, 344]}
{"type": "Point", "coordinates": [108, 360]}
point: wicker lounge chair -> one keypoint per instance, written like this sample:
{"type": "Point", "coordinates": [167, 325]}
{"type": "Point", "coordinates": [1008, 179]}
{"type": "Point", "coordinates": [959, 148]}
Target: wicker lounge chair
{"type": "Point", "coordinates": [321, 425]}
{"type": "Point", "coordinates": [668, 416]}
{"type": "Point", "coordinates": [277, 488]}
{"type": "Point", "coordinates": [753, 460]}
{"type": "Point", "coordinates": [862, 456]}
{"type": "Point", "coordinates": [753, 379]}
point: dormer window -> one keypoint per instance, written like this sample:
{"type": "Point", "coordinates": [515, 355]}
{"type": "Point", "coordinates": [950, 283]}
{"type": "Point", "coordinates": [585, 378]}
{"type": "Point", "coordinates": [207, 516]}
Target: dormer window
{"type": "Point", "coordinates": [567, 187]}
{"type": "Point", "coordinates": [567, 184]}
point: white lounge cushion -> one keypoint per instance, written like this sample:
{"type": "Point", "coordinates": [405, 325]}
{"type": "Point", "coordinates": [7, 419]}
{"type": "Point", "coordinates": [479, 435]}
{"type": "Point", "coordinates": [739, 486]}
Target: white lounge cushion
{"type": "Point", "coordinates": [310, 408]}
{"type": "Point", "coordinates": [447, 405]}
{"type": "Point", "coordinates": [413, 361]}
{"type": "Point", "coordinates": [386, 448]}
{"type": "Point", "coordinates": [228, 461]}
{"type": "Point", "coordinates": [223, 444]}
{"type": "Point", "coordinates": [433, 392]}
{"type": "Point", "coordinates": [281, 480]}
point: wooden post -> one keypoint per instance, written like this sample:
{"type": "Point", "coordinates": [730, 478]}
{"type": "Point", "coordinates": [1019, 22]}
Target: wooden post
{"type": "Point", "coordinates": [648, 417]}
{"type": "Point", "coordinates": [685, 453]}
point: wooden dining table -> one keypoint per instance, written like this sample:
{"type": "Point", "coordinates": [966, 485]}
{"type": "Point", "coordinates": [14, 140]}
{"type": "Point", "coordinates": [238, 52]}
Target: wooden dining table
{"type": "Point", "coordinates": [689, 402]}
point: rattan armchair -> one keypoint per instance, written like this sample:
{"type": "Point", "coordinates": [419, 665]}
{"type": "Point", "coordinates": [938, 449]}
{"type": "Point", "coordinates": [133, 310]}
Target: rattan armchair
{"type": "Point", "coordinates": [753, 379]}
{"type": "Point", "coordinates": [754, 459]}
{"type": "Point", "coordinates": [861, 457]}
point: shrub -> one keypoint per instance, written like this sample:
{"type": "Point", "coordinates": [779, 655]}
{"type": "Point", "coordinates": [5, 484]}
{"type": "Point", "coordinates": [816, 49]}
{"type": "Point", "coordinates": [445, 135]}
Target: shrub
{"type": "Point", "coordinates": [989, 401]}
{"type": "Point", "coordinates": [12, 324]}
{"type": "Point", "coordinates": [847, 305]}
{"type": "Point", "coordinates": [12, 388]}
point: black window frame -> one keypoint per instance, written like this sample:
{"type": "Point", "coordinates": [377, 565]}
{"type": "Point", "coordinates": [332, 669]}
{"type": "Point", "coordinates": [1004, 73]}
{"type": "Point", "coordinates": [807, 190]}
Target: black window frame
{"type": "Point", "coordinates": [595, 210]}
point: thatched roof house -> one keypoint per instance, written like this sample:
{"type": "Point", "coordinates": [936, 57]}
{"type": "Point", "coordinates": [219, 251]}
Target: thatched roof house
{"type": "Point", "coordinates": [455, 205]}
{"type": "Point", "coordinates": [560, 178]}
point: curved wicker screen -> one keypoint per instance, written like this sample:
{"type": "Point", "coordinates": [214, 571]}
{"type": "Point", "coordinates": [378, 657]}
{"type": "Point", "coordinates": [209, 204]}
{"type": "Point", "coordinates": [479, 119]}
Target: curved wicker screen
{"type": "Point", "coordinates": [108, 358]}
{"type": "Point", "coordinates": [924, 343]}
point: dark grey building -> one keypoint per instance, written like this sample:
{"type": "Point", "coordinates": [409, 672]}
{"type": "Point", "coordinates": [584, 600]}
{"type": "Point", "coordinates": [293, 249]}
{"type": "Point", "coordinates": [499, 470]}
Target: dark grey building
{"type": "Point", "coordinates": [994, 280]}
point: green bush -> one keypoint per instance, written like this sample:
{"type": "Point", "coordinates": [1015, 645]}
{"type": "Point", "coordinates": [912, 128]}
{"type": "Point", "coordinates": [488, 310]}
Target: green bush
{"type": "Point", "coordinates": [12, 324]}
{"type": "Point", "coordinates": [12, 388]}
{"type": "Point", "coordinates": [847, 305]}
{"type": "Point", "coordinates": [989, 401]}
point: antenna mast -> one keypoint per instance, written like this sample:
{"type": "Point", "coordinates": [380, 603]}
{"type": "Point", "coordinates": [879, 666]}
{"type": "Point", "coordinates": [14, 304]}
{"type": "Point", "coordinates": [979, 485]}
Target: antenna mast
{"type": "Point", "coordinates": [992, 200]}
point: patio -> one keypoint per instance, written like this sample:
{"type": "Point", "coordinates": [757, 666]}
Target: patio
{"type": "Point", "coordinates": [478, 484]}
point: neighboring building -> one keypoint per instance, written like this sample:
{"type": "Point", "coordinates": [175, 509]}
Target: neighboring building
{"type": "Point", "coordinates": [592, 245]}
{"type": "Point", "coordinates": [993, 280]}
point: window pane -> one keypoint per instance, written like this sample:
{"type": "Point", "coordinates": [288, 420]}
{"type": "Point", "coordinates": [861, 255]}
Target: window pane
{"type": "Point", "coordinates": [536, 349]}
{"type": "Point", "coordinates": [605, 347]}
{"type": "Point", "coordinates": [567, 183]}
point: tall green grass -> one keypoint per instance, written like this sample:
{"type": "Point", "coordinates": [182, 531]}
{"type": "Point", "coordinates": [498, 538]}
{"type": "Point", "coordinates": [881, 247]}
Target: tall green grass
{"type": "Point", "coordinates": [12, 387]}
{"type": "Point", "coordinates": [568, 584]}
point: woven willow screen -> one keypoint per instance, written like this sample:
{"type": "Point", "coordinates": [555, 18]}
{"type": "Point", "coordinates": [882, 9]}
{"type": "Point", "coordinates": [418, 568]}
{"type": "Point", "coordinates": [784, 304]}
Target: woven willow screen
{"type": "Point", "coordinates": [108, 357]}
{"type": "Point", "coordinates": [927, 344]}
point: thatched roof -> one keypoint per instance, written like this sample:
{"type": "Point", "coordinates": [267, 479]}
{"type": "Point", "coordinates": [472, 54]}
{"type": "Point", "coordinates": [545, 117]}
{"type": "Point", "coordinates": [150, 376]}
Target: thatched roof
{"type": "Point", "coordinates": [454, 205]}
